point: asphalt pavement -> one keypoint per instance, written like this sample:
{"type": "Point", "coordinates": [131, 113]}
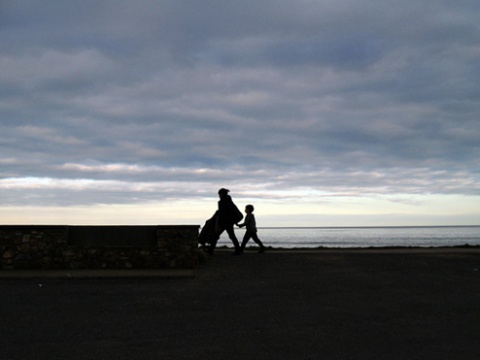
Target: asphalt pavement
{"type": "Point", "coordinates": [276, 305]}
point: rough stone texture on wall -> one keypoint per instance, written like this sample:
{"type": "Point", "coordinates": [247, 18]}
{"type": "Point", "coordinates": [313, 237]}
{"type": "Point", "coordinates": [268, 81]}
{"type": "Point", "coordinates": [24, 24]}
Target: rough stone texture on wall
{"type": "Point", "coordinates": [98, 247]}
{"type": "Point", "coordinates": [29, 247]}
{"type": "Point", "coordinates": [179, 244]}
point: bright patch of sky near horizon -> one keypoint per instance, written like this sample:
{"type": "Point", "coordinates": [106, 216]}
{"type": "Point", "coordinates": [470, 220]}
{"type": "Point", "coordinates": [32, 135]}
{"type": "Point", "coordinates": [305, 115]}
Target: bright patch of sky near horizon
{"type": "Point", "coordinates": [320, 113]}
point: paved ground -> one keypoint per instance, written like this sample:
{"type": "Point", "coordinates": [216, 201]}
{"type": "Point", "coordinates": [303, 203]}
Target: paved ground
{"type": "Point", "coordinates": [277, 305]}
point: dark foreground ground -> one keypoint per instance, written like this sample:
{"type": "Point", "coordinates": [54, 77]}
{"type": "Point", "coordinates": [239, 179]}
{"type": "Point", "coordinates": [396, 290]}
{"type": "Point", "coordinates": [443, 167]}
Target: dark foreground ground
{"type": "Point", "coordinates": [277, 305]}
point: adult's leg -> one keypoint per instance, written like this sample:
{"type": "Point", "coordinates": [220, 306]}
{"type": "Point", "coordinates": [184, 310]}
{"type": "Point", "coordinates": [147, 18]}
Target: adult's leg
{"type": "Point", "coordinates": [231, 235]}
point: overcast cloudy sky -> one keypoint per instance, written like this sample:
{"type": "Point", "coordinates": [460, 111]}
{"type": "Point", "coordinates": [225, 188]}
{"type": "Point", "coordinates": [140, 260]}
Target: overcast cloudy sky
{"type": "Point", "coordinates": [333, 112]}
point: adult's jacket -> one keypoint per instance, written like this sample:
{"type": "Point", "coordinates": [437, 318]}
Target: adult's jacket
{"type": "Point", "coordinates": [228, 213]}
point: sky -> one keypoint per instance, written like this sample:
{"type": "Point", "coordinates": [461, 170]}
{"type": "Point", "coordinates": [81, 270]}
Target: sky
{"type": "Point", "coordinates": [319, 113]}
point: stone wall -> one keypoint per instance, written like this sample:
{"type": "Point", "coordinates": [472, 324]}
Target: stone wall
{"type": "Point", "coordinates": [98, 247]}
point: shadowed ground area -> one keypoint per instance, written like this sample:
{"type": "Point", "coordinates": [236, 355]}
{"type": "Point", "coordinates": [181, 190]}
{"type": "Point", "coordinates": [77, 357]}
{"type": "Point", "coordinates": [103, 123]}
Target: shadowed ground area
{"type": "Point", "coordinates": [314, 304]}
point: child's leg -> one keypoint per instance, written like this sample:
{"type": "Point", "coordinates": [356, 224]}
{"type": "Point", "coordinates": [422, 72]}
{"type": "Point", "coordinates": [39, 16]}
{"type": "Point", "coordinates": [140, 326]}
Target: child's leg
{"type": "Point", "coordinates": [246, 237]}
{"type": "Point", "coordinates": [257, 240]}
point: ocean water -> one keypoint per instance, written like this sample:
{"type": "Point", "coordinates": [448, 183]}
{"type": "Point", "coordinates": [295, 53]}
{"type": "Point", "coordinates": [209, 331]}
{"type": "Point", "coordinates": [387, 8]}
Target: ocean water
{"type": "Point", "coordinates": [363, 237]}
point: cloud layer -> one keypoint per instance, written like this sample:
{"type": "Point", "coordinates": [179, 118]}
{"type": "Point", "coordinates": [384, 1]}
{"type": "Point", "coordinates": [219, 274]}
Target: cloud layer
{"type": "Point", "coordinates": [117, 102]}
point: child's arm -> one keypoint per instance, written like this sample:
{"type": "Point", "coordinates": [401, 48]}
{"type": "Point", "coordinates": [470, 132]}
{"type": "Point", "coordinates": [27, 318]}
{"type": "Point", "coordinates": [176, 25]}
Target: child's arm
{"type": "Point", "coordinates": [244, 222]}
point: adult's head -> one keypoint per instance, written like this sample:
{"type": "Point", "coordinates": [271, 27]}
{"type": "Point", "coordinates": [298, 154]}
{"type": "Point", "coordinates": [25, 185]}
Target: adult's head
{"type": "Point", "coordinates": [222, 192]}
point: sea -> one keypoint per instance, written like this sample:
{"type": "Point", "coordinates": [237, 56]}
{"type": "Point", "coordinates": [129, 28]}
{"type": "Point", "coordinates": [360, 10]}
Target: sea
{"type": "Point", "coordinates": [363, 237]}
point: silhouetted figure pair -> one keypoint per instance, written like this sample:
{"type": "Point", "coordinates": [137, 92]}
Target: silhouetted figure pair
{"type": "Point", "coordinates": [224, 218]}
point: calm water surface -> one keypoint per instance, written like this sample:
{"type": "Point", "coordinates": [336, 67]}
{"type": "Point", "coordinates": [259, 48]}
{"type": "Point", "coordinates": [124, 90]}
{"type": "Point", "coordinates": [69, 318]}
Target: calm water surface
{"type": "Point", "coordinates": [345, 237]}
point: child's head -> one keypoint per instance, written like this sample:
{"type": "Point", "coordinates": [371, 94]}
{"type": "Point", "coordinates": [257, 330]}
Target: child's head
{"type": "Point", "coordinates": [249, 209]}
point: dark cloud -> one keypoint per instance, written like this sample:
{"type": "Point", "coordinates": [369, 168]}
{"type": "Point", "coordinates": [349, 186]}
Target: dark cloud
{"type": "Point", "coordinates": [119, 101]}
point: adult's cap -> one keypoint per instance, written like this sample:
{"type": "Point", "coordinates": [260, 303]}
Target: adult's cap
{"type": "Point", "coordinates": [223, 191]}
